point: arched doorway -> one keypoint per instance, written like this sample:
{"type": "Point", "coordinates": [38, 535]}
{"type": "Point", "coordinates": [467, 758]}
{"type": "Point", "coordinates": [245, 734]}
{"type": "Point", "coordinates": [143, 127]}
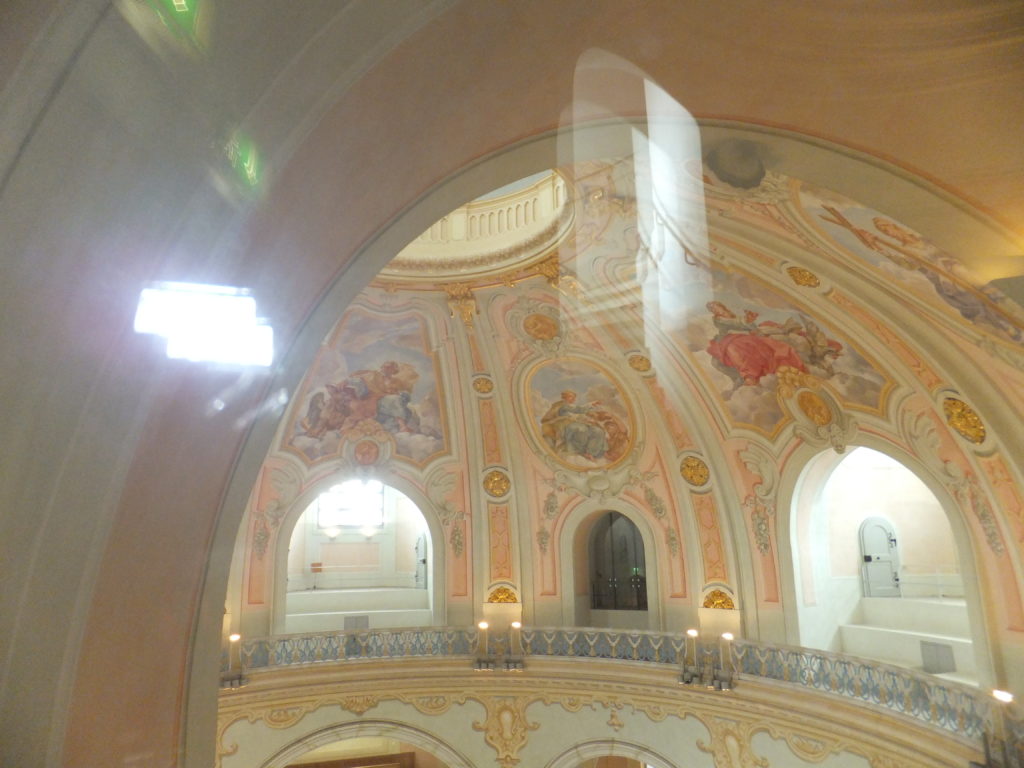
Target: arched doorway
{"type": "Point", "coordinates": [877, 568]}
{"type": "Point", "coordinates": [359, 557]}
{"type": "Point", "coordinates": [610, 571]}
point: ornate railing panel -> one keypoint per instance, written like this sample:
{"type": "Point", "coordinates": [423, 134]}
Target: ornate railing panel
{"type": "Point", "coordinates": [955, 708]}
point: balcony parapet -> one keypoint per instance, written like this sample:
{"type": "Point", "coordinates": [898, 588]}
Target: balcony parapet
{"type": "Point", "coordinates": [960, 710]}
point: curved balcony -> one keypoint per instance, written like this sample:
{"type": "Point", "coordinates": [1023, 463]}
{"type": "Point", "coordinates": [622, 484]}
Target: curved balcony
{"type": "Point", "coordinates": [740, 668]}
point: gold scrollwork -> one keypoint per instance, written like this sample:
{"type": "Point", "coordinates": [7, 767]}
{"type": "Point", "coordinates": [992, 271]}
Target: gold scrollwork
{"type": "Point", "coordinates": [506, 728]}
{"type": "Point", "coordinates": [359, 705]}
{"type": "Point", "coordinates": [639, 363]}
{"type": "Point", "coordinates": [718, 598]}
{"type": "Point", "coordinates": [961, 417]}
{"type": "Point", "coordinates": [694, 471]}
{"type": "Point", "coordinates": [483, 385]}
{"type": "Point", "coordinates": [502, 595]}
{"type": "Point", "coordinates": [803, 277]}
{"type": "Point", "coordinates": [496, 483]}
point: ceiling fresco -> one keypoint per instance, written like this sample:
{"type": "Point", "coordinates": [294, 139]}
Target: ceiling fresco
{"type": "Point", "coordinates": [615, 358]}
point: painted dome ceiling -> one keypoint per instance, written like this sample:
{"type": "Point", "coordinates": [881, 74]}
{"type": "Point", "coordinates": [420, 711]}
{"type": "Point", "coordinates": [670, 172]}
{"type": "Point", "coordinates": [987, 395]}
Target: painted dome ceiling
{"type": "Point", "coordinates": [599, 350]}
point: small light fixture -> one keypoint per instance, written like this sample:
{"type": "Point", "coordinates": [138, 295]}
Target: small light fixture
{"type": "Point", "coordinates": [517, 625]}
{"type": "Point", "coordinates": [692, 632]}
{"type": "Point", "coordinates": [1004, 696]}
{"type": "Point", "coordinates": [234, 637]}
{"type": "Point", "coordinates": [727, 636]}
{"type": "Point", "coordinates": [483, 625]}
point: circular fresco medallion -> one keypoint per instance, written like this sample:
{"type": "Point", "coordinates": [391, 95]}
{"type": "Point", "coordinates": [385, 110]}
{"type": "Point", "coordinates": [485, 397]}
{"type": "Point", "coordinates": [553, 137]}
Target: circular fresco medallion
{"type": "Point", "coordinates": [803, 277]}
{"type": "Point", "coordinates": [694, 471]}
{"type": "Point", "coordinates": [483, 385]}
{"type": "Point", "coordinates": [541, 327]}
{"type": "Point", "coordinates": [639, 363]}
{"type": "Point", "coordinates": [961, 417]}
{"type": "Point", "coordinates": [496, 483]}
{"type": "Point", "coordinates": [814, 407]}
{"type": "Point", "coordinates": [578, 413]}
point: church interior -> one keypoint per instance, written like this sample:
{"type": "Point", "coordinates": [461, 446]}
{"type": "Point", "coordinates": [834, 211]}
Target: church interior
{"type": "Point", "coordinates": [458, 383]}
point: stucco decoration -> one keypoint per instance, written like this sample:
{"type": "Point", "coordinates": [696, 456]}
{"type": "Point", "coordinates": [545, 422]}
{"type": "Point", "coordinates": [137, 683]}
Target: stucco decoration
{"type": "Point", "coordinates": [506, 728]}
{"type": "Point", "coordinates": [483, 385]}
{"type": "Point", "coordinates": [694, 470]}
{"type": "Point", "coordinates": [578, 414]}
{"type": "Point", "coordinates": [803, 277]}
{"type": "Point", "coordinates": [760, 505]}
{"type": "Point", "coordinates": [819, 418]}
{"type": "Point", "coordinates": [537, 322]}
{"type": "Point", "coordinates": [730, 744]}
{"type": "Point", "coordinates": [964, 420]}
{"type": "Point", "coordinates": [502, 594]}
{"type": "Point", "coordinates": [639, 363]}
{"type": "Point", "coordinates": [376, 376]}
{"type": "Point", "coordinates": [718, 598]}
{"type": "Point", "coordinates": [496, 483]}
{"type": "Point", "coordinates": [461, 302]}
{"type": "Point", "coordinates": [903, 256]}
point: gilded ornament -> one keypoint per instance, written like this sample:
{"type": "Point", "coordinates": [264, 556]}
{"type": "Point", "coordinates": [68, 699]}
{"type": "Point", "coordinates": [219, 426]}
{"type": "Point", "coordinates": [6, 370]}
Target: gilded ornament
{"type": "Point", "coordinates": [961, 417]}
{"type": "Point", "coordinates": [483, 385]}
{"type": "Point", "coordinates": [359, 705]}
{"type": "Point", "coordinates": [502, 595]}
{"type": "Point", "coordinates": [506, 728]}
{"type": "Point", "coordinates": [639, 363]}
{"type": "Point", "coordinates": [803, 277]}
{"type": "Point", "coordinates": [496, 483]}
{"type": "Point", "coordinates": [814, 407]}
{"type": "Point", "coordinates": [718, 598]}
{"type": "Point", "coordinates": [694, 471]}
{"type": "Point", "coordinates": [541, 327]}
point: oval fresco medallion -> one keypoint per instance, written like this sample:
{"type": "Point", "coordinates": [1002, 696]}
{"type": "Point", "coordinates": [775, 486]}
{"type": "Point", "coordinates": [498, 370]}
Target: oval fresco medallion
{"type": "Point", "coordinates": [578, 413]}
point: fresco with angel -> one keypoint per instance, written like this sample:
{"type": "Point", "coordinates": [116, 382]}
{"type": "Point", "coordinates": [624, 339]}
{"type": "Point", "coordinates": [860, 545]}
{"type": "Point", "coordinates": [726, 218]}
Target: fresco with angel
{"type": "Point", "coordinates": [749, 335]}
{"type": "Point", "coordinates": [375, 375]}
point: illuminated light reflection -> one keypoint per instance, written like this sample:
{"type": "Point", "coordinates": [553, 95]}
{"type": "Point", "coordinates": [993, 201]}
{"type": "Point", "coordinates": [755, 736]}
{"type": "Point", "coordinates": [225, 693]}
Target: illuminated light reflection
{"type": "Point", "coordinates": [206, 323]}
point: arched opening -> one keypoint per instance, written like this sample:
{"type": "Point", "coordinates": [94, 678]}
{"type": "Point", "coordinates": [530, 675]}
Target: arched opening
{"type": "Point", "coordinates": [359, 557]}
{"type": "Point", "coordinates": [877, 566]}
{"type": "Point", "coordinates": [618, 576]}
{"type": "Point", "coordinates": [608, 562]}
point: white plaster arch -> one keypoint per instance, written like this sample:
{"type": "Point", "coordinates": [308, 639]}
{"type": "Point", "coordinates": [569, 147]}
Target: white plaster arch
{"type": "Point", "coordinates": [578, 522]}
{"type": "Point", "coordinates": [381, 728]}
{"type": "Point", "coordinates": [436, 548]}
{"type": "Point", "coordinates": [806, 472]}
{"type": "Point", "coordinates": [588, 750]}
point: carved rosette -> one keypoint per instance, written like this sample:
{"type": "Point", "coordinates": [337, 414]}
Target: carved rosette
{"type": "Point", "coordinates": [964, 420]}
{"type": "Point", "coordinates": [496, 483]}
{"type": "Point", "coordinates": [483, 385]}
{"type": "Point", "coordinates": [803, 277]}
{"type": "Point", "coordinates": [639, 363]}
{"type": "Point", "coordinates": [694, 470]}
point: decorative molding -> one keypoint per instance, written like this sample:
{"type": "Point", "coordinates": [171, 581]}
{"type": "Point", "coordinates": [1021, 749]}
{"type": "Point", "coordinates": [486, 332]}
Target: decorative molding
{"type": "Point", "coordinates": [964, 420]}
{"type": "Point", "coordinates": [483, 385]}
{"type": "Point", "coordinates": [502, 595]}
{"type": "Point", "coordinates": [639, 363]}
{"type": "Point", "coordinates": [505, 727]}
{"type": "Point", "coordinates": [730, 744]}
{"type": "Point", "coordinates": [803, 277]}
{"type": "Point", "coordinates": [694, 470]}
{"type": "Point", "coordinates": [718, 598]}
{"type": "Point", "coordinates": [496, 483]}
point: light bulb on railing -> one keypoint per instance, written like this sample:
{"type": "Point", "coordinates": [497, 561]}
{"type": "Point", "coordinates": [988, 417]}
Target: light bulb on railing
{"type": "Point", "coordinates": [692, 632]}
{"type": "Point", "coordinates": [234, 637]}
{"type": "Point", "coordinates": [1004, 696]}
{"type": "Point", "coordinates": [483, 625]}
{"type": "Point", "coordinates": [517, 625]}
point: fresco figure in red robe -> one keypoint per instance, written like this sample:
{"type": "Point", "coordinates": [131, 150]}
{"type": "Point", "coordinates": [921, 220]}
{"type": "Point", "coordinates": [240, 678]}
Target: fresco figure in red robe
{"type": "Point", "coordinates": [748, 350]}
